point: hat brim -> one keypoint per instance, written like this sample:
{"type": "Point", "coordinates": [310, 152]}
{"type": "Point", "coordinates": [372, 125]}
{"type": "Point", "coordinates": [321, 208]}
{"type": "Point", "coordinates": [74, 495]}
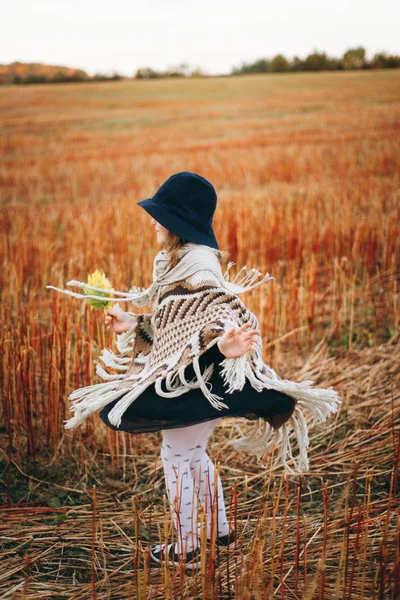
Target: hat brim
{"type": "Point", "coordinates": [178, 226]}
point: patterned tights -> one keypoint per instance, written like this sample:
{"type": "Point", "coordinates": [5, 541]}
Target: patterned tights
{"type": "Point", "coordinates": [189, 475]}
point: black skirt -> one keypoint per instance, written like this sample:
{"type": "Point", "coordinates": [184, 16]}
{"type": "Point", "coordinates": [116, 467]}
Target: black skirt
{"type": "Point", "coordinates": [151, 412]}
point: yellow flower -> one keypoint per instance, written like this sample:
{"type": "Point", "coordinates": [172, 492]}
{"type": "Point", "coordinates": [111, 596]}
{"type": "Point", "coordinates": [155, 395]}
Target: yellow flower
{"type": "Point", "coordinates": [98, 280]}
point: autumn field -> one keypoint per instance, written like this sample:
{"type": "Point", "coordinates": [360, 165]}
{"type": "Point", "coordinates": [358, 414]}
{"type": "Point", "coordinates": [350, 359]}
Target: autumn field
{"type": "Point", "coordinates": [307, 172]}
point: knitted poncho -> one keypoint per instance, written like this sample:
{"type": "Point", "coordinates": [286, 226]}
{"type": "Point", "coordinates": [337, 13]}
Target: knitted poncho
{"type": "Point", "coordinates": [193, 305]}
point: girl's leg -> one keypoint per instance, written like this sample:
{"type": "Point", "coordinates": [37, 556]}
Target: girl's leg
{"type": "Point", "coordinates": [206, 481]}
{"type": "Point", "coordinates": [178, 449]}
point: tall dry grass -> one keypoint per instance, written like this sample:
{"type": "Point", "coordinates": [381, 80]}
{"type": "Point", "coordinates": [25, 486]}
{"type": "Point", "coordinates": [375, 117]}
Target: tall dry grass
{"type": "Point", "coordinates": [307, 173]}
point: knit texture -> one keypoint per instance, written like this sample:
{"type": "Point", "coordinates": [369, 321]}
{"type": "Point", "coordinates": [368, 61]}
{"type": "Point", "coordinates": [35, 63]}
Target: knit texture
{"type": "Point", "coordinates": [189, 316]}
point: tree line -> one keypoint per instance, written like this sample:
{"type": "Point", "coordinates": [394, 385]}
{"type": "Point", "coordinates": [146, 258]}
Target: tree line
{"type": "Point", "coordinates": [20, 73]}
{"type": "Point", "coordinates": [352, 59]}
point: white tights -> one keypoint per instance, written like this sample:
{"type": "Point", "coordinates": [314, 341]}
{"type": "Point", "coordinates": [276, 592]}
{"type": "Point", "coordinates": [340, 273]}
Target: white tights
{"type": "Point", "coordinates": [189, 473]}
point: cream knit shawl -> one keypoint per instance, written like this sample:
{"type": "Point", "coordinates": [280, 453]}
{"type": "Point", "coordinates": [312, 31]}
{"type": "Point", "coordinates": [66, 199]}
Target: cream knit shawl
{"type": "Point", "coordinates": [194, 303]}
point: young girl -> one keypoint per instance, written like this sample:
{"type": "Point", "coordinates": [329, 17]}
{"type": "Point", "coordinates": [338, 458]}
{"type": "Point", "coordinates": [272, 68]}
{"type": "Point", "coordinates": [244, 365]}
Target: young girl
{"type": "Point", "coordinates": [196, 358]}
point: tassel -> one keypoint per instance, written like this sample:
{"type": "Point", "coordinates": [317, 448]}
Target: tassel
{"type": "Point", "coordinates": [191, 385]}
{"type": "Point", "coordinates": [322, 402]}
{"type": "Point", "coordinates": [258, 443]}
{"type": "Point", "coordinates": [228, 267]}
{"type": "Point", "coordinates": [212, 398]}
{"type": "Point", "coordinates": [175, 389]}
{"type": "Point", "coordinates": [321, 406]}
{"type": "Point", "coordinates": [172, 382]}
{"type": "Point", "coordinates": [120, 362]}
{"type": "Point", "coordinates": [233, 373]}
{"type": "Point", "coordinates": [89, 405]}
{"type": "Point", "coordinates": [87, 398]}
{"type": "Point", "coordinates": [285, 450]}
{"type": "Point", "coordinates": [139, 298]}
{"type": "Point", "coordinates": [194, 384]}
{"type": "Point", "coordinates": [251, 276]}
{"type": "Point", "coordinates": [126, 340]}
{"type": "Point", "coordinates": [236, 278]}
{"type": "Point", "coordinates": [300, 428]}
{"type": "Point", "coordinates": [173, 393]}
{"type": "Point", "coordinates": [80, 284]}
{"type": "Point", "coordinates": [141, 359]}
{"type": "Point", "coordinates": [259, 440]}
{"type": "Point", "coordinates": [247, 282]}
{"type": "Point", "coordinates": [86, 296]}
{"type": "Point", "coordinates": [111, 360]}
{"type": "Point", "coordinates": [81, 391]}
{"type": "Point", "coordinates": [115, 415]}
{"type": "Point", "coordinates": [106, 376]}
{"type": "Point", "coordinates": [319, 401]}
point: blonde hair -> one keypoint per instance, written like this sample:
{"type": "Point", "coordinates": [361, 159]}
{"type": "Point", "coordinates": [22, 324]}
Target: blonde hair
{"type": "Point", "coordinates": [174, 243]}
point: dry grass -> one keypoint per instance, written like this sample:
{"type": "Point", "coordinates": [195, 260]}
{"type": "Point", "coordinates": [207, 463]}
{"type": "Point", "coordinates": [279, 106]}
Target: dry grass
{"type": "Point", "coordinates": [307, 173]}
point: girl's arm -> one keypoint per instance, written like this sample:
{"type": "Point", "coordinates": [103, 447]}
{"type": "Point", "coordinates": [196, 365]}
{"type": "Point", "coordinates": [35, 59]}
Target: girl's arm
{"type": "Point", "coordinates": [236, 342]}
{"type": "Point", "coordinates": [118, 320]}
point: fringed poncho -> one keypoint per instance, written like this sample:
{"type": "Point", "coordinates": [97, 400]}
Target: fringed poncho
{"type": "Point", "coordinates": [194, 305]}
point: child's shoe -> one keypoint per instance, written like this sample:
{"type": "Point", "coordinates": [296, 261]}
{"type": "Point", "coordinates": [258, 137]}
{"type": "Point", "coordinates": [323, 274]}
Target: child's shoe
{"type": "Point", "coordinates": [227, 541]}
{"type": "Point", "coordinates": [191, 560]}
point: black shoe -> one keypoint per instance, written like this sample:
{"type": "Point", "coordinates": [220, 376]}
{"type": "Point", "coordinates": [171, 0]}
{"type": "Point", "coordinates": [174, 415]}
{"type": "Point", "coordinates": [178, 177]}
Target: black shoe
{"type": "Point", "coordinates": [227, 541]}
{"type": "Point", "coordinates": [191, 560]}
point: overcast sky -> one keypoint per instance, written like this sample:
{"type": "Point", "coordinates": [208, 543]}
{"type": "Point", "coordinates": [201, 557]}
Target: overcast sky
{"type": "Point", "coordinates": [123, 35]}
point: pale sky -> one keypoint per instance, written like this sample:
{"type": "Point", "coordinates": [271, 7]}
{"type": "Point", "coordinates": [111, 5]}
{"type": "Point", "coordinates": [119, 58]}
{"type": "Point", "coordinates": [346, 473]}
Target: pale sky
{"type": "Point", "coordinates": [123, 35]}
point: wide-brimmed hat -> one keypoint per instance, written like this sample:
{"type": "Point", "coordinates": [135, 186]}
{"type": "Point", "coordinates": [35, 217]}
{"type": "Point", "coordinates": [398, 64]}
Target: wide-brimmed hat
{"type": "Point", "coordinates": [185, 205]}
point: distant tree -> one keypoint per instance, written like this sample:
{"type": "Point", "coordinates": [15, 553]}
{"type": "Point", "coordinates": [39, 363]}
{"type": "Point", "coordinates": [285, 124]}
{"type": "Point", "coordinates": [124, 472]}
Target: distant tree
{"type": "Point", "coordinates": [184, 69]}
{"type": "Point", "coordinates": [103, 77]}
{"type": "Point", "coordinates": [116, 76]}
{"type": "Point", "coordinates": [279, 64]}
{"type": "Point", "coordinates": [319, 61]}
{"type": "Point", "coordinates": [392, 62]}
{"type": "Point", "coordinates": [298, 64]}
{"type": "Point", "coordinates": [147, 73]}
{"type": "Point", "coordinates": [31, 78]}
{"type": "Point", "coordinates": [354, 58]}
{"type": "Point", "coordinates": [198, 72]}
{"type": "Point", "coordinates": [381, 60]}
{"type": "Point", "coordinates": [173, 73]}
{"type": "Point", "coordinates": [58, 76]}
{"type": "Point", "coordinates": [260, 66]}
{"type": "Point", "coordinates": [239, 70]}
{"type": "Point", "coordinates": [181, 70]}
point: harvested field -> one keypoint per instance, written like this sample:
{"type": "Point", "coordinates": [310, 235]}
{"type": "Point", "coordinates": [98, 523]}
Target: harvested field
{"type": "Point", "coordinates": [307, 170]}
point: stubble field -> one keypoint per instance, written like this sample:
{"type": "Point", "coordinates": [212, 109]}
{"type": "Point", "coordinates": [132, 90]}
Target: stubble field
{"type": "Point", "coordinates": [307, 171]}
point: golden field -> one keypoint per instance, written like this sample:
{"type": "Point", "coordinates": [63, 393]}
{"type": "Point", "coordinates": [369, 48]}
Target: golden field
{"type": "Point", "coordinates": [307, 172]}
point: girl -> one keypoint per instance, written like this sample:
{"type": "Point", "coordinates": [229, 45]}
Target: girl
{"type": "Point", "coordinates": [195, 359]}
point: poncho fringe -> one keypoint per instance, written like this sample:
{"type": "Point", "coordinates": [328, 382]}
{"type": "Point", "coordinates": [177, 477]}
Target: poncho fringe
{"type": "Point", "coordinates": [187, 321]}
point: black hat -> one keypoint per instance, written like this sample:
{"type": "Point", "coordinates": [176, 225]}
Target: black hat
{"type": "Point", "coordinates": [185, 205]}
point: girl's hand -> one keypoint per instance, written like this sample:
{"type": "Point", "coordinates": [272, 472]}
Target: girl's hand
{"type": "Point", "coordinates": [118, 320]}
{"type": "Point", "coordinates": [237, 342]}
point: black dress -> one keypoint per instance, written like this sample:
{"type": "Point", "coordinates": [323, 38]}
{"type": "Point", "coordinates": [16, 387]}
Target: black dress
{"type": "Point", "coordinates": [151, 412]}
